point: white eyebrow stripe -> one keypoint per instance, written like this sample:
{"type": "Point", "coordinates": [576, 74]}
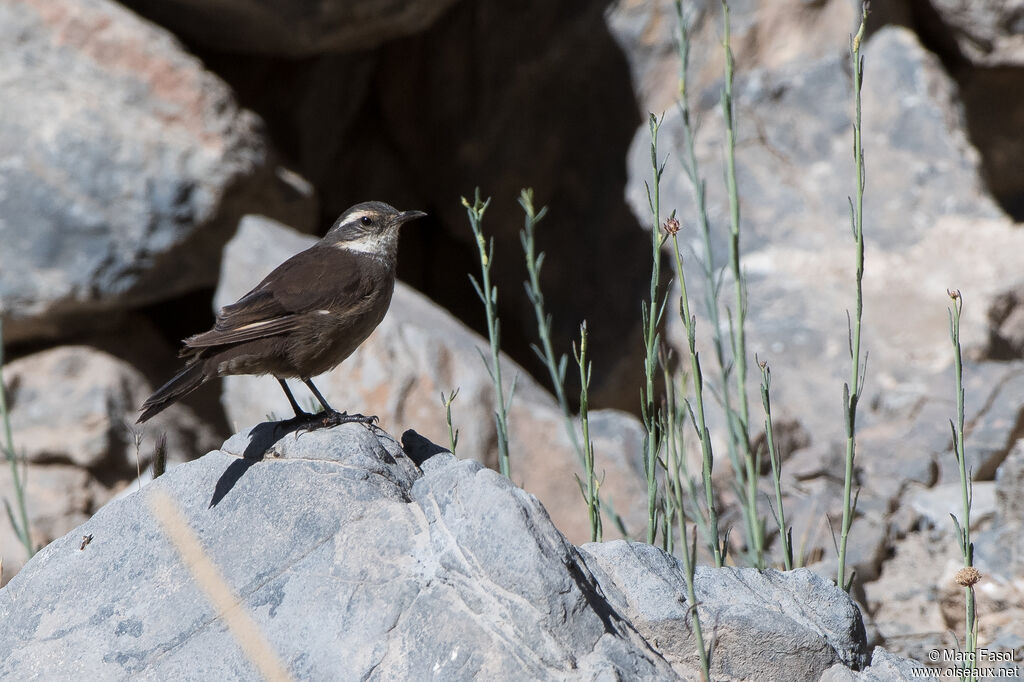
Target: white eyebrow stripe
{"type": "Point", "coordinates": [358, 215]}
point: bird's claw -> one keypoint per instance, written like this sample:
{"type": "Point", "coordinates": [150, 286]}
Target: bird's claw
{"type": "Point", "coordinates": [325, 420]}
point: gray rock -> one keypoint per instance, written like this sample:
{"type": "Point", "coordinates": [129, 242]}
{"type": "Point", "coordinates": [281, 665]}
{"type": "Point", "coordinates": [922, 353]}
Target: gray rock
{"type": "Point", "coordinates": [764, 33]}
{"type": "Point", "coordinates": [72, 413]}
{"type": "Point", "coordinates": [420, 351]}
{"type": "Point", "coordinates": [1000, 549]}
{"type": "Point", "coordinates": [124, 167]}
{"type": "Point", "coordinates": [885, 667]}
{"type": "Point", "coordinates": [293, 29]}
{"type": "Point", "coordinates": [765, 625]}
{"type": "Point", "coordinates": [796, 242]}
{"type": "Point", "coordinates": [1010, 487]}
{"type": "Point", "coordinates": [1006, 325]}
{"type": "Point", "coordinates": [993, 400]}
{"type": "Point", "coordinates": [58, 497]}
{"type": "Point", "coordinates": [352, 562]}
{"type": "Point", "coordinates": [988, 33]}
{"type": "Point", "coordinates": [77, 405]}
{"type": "Point", "coordinates": [936, 504]}
{"type": "Point", "coordinates": [924, 191]}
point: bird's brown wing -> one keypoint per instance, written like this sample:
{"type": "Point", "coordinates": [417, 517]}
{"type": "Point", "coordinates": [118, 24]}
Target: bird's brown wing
{"type": "Point", "coordinates": [319, 278]}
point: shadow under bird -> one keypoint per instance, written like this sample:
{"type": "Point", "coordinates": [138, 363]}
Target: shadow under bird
{"type": "Point", "coordinates": [305, 317]}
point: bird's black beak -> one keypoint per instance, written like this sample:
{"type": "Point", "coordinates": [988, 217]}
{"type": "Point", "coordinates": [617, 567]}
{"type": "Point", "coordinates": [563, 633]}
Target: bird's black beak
{"type": "Point", "coordinates": [406, 216]}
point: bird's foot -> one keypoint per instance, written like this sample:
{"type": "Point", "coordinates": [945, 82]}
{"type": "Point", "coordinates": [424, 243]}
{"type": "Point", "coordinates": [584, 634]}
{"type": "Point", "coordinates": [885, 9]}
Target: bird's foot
{"type": "Point", "coordinates": [327, 419]}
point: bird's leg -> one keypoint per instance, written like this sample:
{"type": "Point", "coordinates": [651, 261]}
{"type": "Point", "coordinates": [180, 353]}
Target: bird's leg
{"type": "Point", "coordinates": [319, 396]}
{"type": "Point", "coordinates": [291, 399]}
{"type": "Point", "coordinates": [330, 416]}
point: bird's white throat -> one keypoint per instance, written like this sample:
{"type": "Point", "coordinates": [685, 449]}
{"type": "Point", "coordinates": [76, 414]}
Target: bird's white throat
{"type": "Point", "coordinates": [383, 244]}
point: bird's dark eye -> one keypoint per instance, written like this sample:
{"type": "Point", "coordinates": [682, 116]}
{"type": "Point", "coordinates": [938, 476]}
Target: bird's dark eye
{"type": "Point", "coordinates": [366, 220]}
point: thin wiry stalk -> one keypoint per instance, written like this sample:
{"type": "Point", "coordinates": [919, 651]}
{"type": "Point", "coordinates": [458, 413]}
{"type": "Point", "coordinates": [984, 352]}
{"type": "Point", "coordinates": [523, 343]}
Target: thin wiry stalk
{"type": "Point", "coordinates": [710, 270]}
{"type": "Point", "coordinates": [740, 420]}
{"type": "Point", "coordinates": [785, 532]}
{"type": "Point", "coordinates": [689, 572]}
{"type": "Point", "coordinates": [591, 487]}
{"type": "Point", "coordinates": [697, 380]}
{"type": "Point", "coordinates": [969, 575]}
{"type": "Point", "coordinates": [852, 390]}
{"type": "Point", "coordinates": [19, 519]}
{"type": "Point", "coordinates": [675, 506]}
{"type": "Point", "coordinates": [556, 366]}
{"type": "Point", "coordinates": [489, 295]}
{"type": "Point", "coordinates": [677, 472]}
{"type": "Point", "coordinates": [652, 312]}
{"type": "Point", "coordinates": [453, 433]}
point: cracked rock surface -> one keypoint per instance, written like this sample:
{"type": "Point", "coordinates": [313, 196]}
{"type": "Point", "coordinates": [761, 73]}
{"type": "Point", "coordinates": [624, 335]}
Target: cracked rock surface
{"type": "Point", "coordinates": [360, 559]}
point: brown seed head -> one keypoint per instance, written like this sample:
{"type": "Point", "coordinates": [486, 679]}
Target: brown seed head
{"type": "Point", "coordinates": [671, 226]}
{"type": "Point", "coordinates": [968, 577]}
{"type": "Point", "coordinates": [953, 293]}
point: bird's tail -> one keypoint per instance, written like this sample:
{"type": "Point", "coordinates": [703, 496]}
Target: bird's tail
{"type": "Point", "coordinates": [183, 383]}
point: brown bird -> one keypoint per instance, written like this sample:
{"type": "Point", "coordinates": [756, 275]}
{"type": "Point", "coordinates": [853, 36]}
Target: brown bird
{"type": "Point", "coordinates": [305, 317]}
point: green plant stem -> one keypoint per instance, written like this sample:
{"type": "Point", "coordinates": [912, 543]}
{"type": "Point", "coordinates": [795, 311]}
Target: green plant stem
{"type": "Point", "coordinates": [740, 420]}
{"type": "Point", "coordinates": [453, 433]}
{"type": "Point", "coordinates": [689, 572]}
{"type": "Point", "coordinates": [651, 315]}
{"type": "Point", "coordinates": [699, 420]}
{"type": "Point", "coordinates": [785, 533]}
{"type": "Point", "coordinates": [959, 449]}
{"type": "Point", "coordinates": [851, 391]}
{"type": "Point", "coordinates": [555, 366]}
{"type": "Point", "coordinates": [590, 488]}
{"type": "Point", "coordinates": [676, 478]}
{"type": "Point", "coordinates": [677, 472]}
{"type": "Point", "coordinates": [710, 270]}
{"type": "Point", "coordinates": [19, 521]}
{"type": "Point", "coordinates": [489, 295]}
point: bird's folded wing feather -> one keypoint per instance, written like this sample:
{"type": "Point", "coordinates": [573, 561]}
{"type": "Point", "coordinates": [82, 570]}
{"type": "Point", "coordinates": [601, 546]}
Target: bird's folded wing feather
{"type": "Point", "coordinates": [281, 301]}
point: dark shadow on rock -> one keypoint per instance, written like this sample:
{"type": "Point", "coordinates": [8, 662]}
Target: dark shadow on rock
{"type": "Point", "coordinates": [262, 437]}
{"type": "Point", "coordinates": [418, 448]}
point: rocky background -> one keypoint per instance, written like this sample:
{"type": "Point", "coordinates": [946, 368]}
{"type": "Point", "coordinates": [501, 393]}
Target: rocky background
{"type": "Point", "coordinates": [157, 158]}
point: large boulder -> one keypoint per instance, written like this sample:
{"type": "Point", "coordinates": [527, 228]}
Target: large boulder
{"type": "Point", "coordinates": [125, 166]}
{"type": "Point", "coordinates": [354, 557]}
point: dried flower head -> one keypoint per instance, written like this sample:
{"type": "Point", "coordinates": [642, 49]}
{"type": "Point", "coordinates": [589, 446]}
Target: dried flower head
{"type": "Point", "coordinates": [671, 225]}
{"type": "Point", "coordinates": [968, 577]}
{"type": "Point", "coordinates": [953, 293]}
